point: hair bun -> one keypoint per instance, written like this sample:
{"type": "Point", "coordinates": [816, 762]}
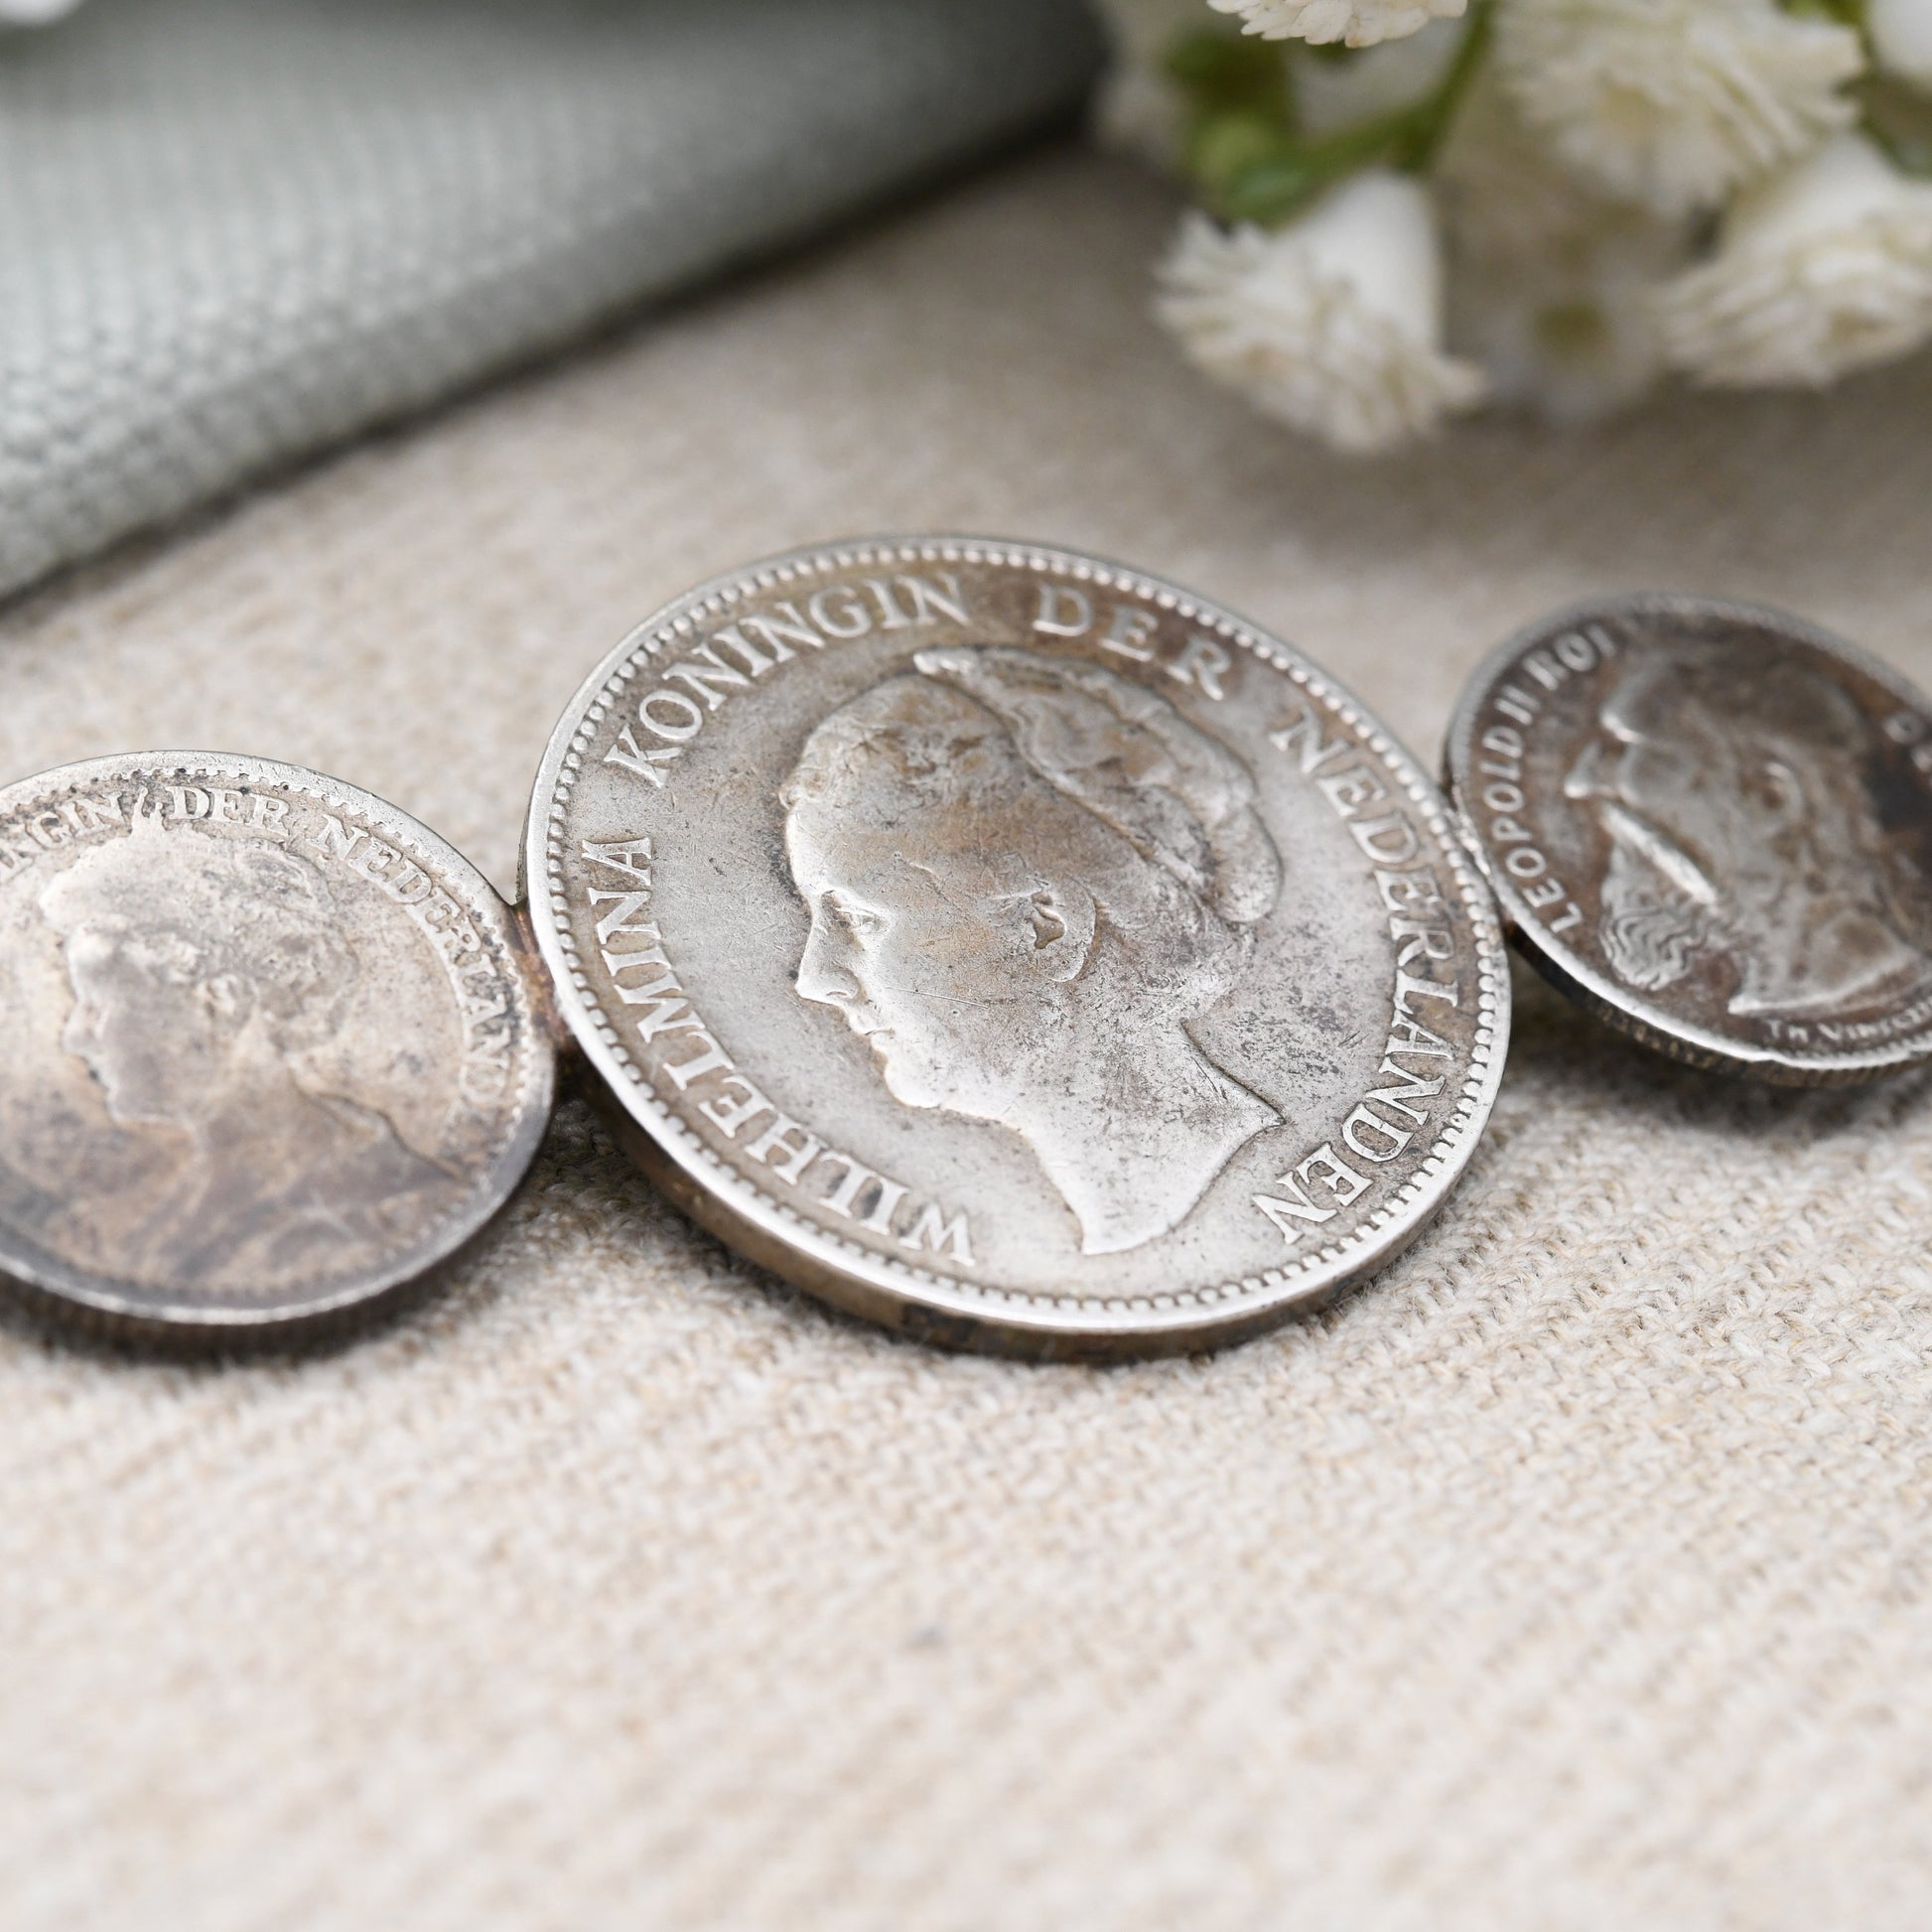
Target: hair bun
{"type": "Point", "coordinates": [1183, 801]}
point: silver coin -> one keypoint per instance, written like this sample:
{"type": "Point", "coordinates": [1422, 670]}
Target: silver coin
{"type": "Point", "coordinates": [273, 1048]}
{"type": "Point", "coordinates": [1712, 824]}
{"type": "Point", "coordinates": [1014, 948]}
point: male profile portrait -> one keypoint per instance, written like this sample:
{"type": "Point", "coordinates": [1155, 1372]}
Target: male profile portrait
{"type": "Point", "coordinates": [203, 968]}
{"type": "Point", "coordinates": [1742, 821]}
{"type": "Point", "coordinates": [1027, 876]}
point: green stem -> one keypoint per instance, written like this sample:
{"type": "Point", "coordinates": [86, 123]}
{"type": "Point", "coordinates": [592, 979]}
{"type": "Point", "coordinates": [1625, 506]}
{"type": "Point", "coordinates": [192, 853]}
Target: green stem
{"type": "Point", "coordinates": [1892, 118]}
{"type": "Point", "coordinates": [1441, 107]}
{"type": "Point", "coordinates": [1247, 156]}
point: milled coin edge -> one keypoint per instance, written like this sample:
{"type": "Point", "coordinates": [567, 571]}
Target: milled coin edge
{"type": "Point", "coordinates": [889, 1290]}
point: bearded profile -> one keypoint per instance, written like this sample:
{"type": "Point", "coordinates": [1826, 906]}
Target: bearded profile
{"type": "Point", "coordinates": [1742, 823]}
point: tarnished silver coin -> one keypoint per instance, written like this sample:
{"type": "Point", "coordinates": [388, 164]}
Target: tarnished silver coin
{"type": "Point", "coordinates": [273, 1048]}
{"type": "Point", "coordinates": [1712, 824]}
{"type": "Point", "coordinates": [1014, 948]}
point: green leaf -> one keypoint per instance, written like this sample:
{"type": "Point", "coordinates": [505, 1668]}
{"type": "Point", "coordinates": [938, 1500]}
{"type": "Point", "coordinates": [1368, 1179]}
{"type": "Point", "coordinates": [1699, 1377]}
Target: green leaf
{"type": "Point", "coordinates": [1840, 13]}
{"type": "Point", "coordinates": [1222, 69]}
{"type": "Point", "coordinates": [1899, 119]}
{"type": "Point", "coordinates": [1223, 146]}
{"type": "Point", "coordinates": [1273, 190]}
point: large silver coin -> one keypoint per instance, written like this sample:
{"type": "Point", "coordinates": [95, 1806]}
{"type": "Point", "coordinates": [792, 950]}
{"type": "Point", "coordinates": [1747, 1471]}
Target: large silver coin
{"type": "Point", "coordinates": [1712, 824]}
{"type": "Point", "coordinates": [273, 1048]}
{"type": "Point", "coordinates": [1014, 948]}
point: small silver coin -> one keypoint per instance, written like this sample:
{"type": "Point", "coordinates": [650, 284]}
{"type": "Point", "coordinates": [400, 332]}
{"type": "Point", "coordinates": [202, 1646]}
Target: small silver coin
{"type": "Point", "coordinates": [1711, 824]}
{"type": "Point", "coordinates": [274, 1049]}
{"type": "Point", "coordinates": [1013, 948]}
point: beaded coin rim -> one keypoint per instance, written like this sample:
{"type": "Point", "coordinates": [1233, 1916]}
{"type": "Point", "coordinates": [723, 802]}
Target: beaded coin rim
{"type": "Point", "coordinates": [901, 1293]}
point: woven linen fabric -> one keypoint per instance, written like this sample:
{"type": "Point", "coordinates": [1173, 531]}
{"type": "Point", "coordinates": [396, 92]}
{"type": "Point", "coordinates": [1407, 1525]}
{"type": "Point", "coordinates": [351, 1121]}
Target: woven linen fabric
{"type": "Point", "coordinates": [232, 231]}
{"type": "Point", "coordinates": [1571, 1577]}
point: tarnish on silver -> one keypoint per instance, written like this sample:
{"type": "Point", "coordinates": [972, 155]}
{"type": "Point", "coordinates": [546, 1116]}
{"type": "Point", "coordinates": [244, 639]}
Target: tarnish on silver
{"type": "Point", "coordinates": [1014, 948]}
{"type": "Point", "coordinates": [275, 1050]}
{"type": "Point", "coordinates": [1711, 823]}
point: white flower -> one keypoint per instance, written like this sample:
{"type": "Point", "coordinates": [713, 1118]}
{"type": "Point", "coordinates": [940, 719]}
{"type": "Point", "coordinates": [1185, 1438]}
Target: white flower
{"type": "Point", "coordinates": [1570, 331]}
{"type": "Point", "coordinates": [1825, 269]}
{"type": "Point", "coordinates": [34, 13]}
{"type": "Point", "coordinates": [1675, 102]}
{"type": "Point", "coordinates": [1551, 285]}
{"type": "Point", "coordinates": [1499, 194]}
{"type": "Point", "coordinates": [1138, 108]}
{"type": "Point", "coordinates": [1901, 38]}
{"type": "Point", "coordinates": [1331, 325]}
{"type": "Point", "coordinates": [1360, 23]}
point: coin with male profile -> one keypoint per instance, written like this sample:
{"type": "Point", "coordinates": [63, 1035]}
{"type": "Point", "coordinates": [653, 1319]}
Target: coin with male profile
{"type": "Point", "coordinates": [1712, 824]}
{"type": "Point", "coordinates": [274, 1048]}
{"type": "Point", "coordinates": [1014, 948]}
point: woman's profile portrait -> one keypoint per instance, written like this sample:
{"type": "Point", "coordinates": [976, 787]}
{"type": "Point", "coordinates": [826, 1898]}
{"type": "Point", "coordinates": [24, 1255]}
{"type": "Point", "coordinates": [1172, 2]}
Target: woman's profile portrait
{"type": "Point", "coordinates": [1027, 878]}
{"type": "Point", "coordinates": [203, 968]}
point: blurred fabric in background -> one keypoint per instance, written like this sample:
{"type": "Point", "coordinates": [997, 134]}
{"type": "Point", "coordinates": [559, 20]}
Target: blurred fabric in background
{"type": "Point", "coordinates": [236, 230]}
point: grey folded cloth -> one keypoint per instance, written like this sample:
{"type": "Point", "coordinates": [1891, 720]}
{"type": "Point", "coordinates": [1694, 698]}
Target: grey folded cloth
{"type": "Point", "coordinates": [235, 230]}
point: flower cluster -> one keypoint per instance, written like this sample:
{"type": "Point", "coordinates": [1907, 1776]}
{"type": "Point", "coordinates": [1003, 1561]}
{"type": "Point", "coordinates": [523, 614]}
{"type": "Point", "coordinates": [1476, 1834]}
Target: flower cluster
{"type": "Point", "coordinates": [1412, 207]}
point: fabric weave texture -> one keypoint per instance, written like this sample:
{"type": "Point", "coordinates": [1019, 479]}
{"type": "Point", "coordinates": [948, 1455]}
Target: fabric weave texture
{"type": "Point", "coordinates": [1574, 1576]}
{"type": "Point", "coordinates": [235, 230]}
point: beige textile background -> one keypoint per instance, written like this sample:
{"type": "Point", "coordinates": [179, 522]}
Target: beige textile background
{"type": "Point", "coordinates": [1572, 1575]}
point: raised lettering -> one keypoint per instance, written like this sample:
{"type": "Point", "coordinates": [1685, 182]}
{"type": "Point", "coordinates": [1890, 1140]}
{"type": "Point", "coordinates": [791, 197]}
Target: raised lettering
{"type": "Point", "coordinates": [1064, 612]}
{"type": "Point", "coordinates": [1291, 1201]}
{"type": "Point", "coordinates": [712, 1056]}
{"type": "Point", "coordinates": [926, 599]}
{"type": "Point", "coordinates": [1412, 1087]}
{"type": "Point", "coordinates": [892, 618]}
{"type": "Point", "coordinates": [780, 627]}
{"type": "Point", "coordinates": [934, 1232]}
{"type": "Point", "coordinates": [1128, 632]}
{"type": "Point", "coordinates": [1201, 662]}
{"type": "Point", "coordinates": [335, 839]}
{"type": "Point", "coordinates": [684, 721]}
{"type": "Point", "coordinates": [1408, 988]}
{"type": "Point", "coordinates": [619, 918]}
{"type": "Point", "coordinates": [621, 855]}
{"type": "Point", "coordinates": [1408, 1035]}
{"type": "Point", "coordinates": [1348, 792]}
{"type": "Point", "coordinates": [1389, 841]}
{"type": "Point", "coordinates": [880, 1220]}
{"type": "Point", "coordinates": [1544, 668]}
{"type": "Point", "coordinates": [733, 639]}
{"type": "Point", "coordinates": [1379, 1134]}
{"type": "Point", "coordinates": [795, 1148]}
{"type": "Point", "coordinates": [1518, 704]}
{"type": "Point", "coordinates": [1420, 941]}
{"type": "Point", "coordinates": [702, 677]}
{"type": "Point", "coordinates": [668, 1015]}
{"type": "Point", "coordinates": [1302, 735]}
{"type": "Point", "coordinates": [850, 619]}
{"type": "Point", "coordinates": [627, 755]}
{"type": "Point", "coordinates": [1410, 892]}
